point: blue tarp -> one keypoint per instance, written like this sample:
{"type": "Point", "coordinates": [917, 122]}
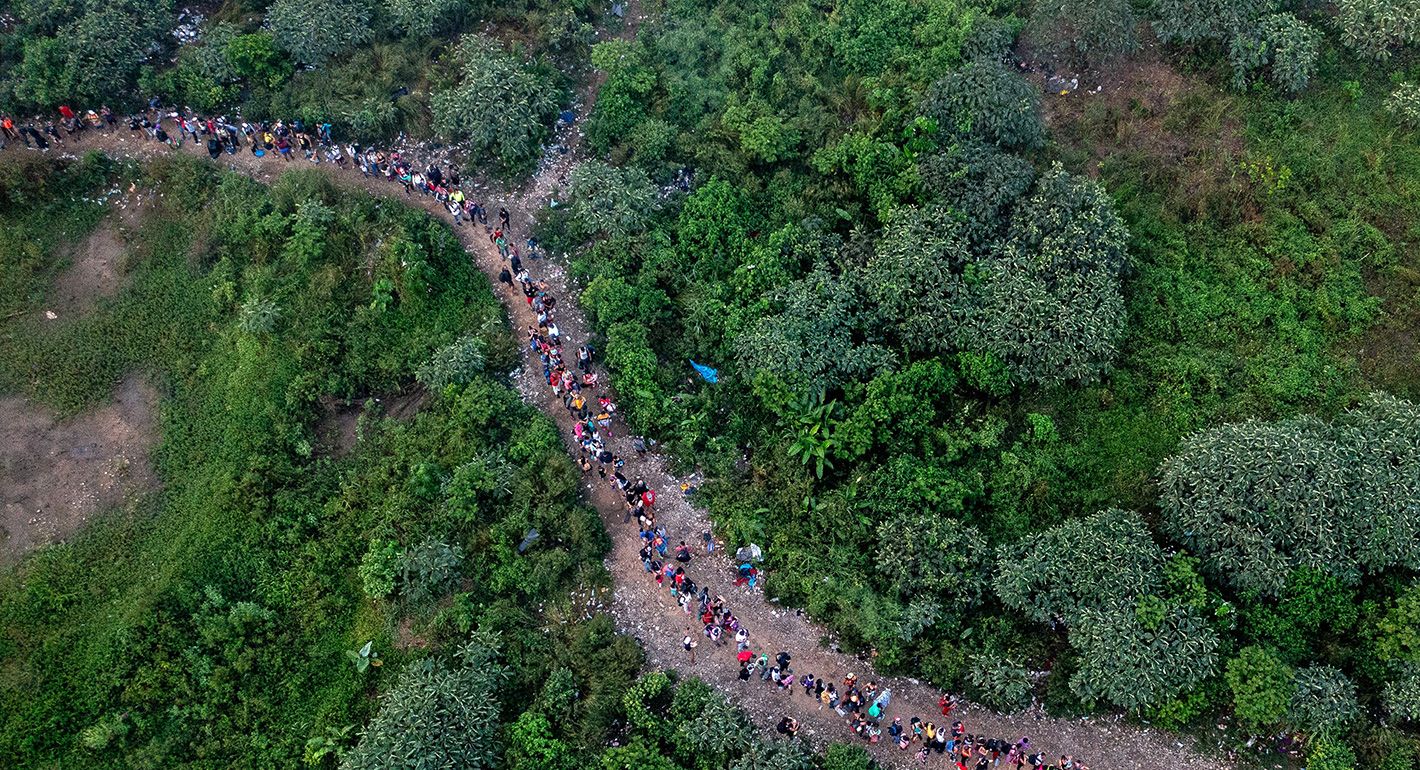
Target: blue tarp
{"type": "Point", "coordinates": [710, 375]}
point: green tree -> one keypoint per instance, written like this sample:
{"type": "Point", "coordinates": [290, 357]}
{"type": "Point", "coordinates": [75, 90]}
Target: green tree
{"type": "Point", "coordinates": [984, 99]}
{"type": "Point", "coordinates": [443, 715]}
{"type": "Point", "coordinates": [823, 326]}
{"type": "Point", "coordinates": [611, 202]}
{"type": "Point", "coordinates": [1375, 28]}
{"type": "Point", "coordinates": [95, 56]}
{"type": "Point", "coordinates": [312, 31]}
{"type": "Point", "coordinates": [1282, 41]}
{"type": "Point", "coordinates": [1323, 700]}
{"type": "Point", "coordinates": [915, 277]}
{"type": "Point", "coordinates": [1258, 500]}
{"type": "Point", "coordinates": [501, 107]}
{"type": "Point", "coordinates": [1095, 561]}
{"type": "Point", "coordinates": [1262, 687]}
{"type": "Point", "coordinates": [1191, 21]}
{"type": "Point", "coordinates": [1050, 304]}
{"type": "Point", "coordinates": [932, 557]}
{"type": "Point", "coordinates": [423, 18]}
{"type": "Point", "coordinates": [1080, 33]}
{"type": "Point", "coordinates": [998, 682]}
{"type": "Point", "coordinates": [1134, 662]}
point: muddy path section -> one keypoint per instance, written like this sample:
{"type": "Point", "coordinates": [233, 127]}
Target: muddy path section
{"type": "Point", "coordinates": [56, 474]}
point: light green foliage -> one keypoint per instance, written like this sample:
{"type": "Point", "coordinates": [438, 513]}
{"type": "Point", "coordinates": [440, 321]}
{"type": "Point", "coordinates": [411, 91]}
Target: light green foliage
{"type": "Point", "coordinates": [1323, 700]}
{"type": "Point", "coordinates": [532, 747]}
{"type": "Point", "coordinates": [501, 107]}
{"type": "Point", "coordinates": [1375, 28]}
{"type": "Point", "coordinates": [1398, 631]}
{"type": "Point", "coordinates": [1262, 687]}
{"type": "Point", "coordinates": [457, 363]}
{"type": "Point", "coordinates": [441, 715]}
{"type": "Point", "coordinates": [1080, 33]}
{"type": "Point", "coordinates": [1099, 560]}
{"type": "Point", "coordinates": [313, 31]}
{"type": "Point", "coordinates": [1330, 754]}
{"type": "Point", "coordinates": [1404, 104]}
{"type": "Point", "coordinates": [379, 567]}
{"type": "Point", "coordinates": [985, 100]}
{"type": "Point", "coordinates": [637, 755]}
{"type": "Point", "coordinates": [1132, 665]}
{"type": "Point", "coordinates": [1257, 500]}
{"type": "Point", "coordinates": [610, 201]}
{"type": "Point", "coordinates": [998, 682]}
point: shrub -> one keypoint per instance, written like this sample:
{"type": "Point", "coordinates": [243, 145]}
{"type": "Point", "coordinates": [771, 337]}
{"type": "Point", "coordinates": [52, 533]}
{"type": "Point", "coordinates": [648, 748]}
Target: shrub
{"type": "Point", "coordinates": [1376, 27]}
{"type": "Point", "coordinates": [1083, 33]}
{"type": "Point", "coordinates": [1330, 754]}
{"type": "Point", "coordinates": [313, 31]}
{"type": "Point", "coordinates": [446, 714]}
{"type": "Point", "coordinates": [1262, 687]}
{"type": "Point", "coordinates": [984, 99]}
{"type": "Point", "coordinates": [1401, 696]}
{"type": "Point", "coordinates": [457, 363]}
{"type": "Point", "coordinates": [1404, 104]}
{"type": "Point", "coordinates": [612, 202]}
{"type": "Point", "coordinates": [1258, 500]}
{"type": "Point", "coordinates": [501, 108]}
{"type": "Point", "coordinates": [998, 682]}
{"type": "Point", "coordinates": [1323, 700]}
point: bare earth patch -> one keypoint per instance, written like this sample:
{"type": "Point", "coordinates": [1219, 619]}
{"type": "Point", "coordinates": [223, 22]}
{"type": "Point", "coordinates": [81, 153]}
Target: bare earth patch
{"type": "Point", "coordinates": [55, 474]}
{"type": "Point", "coordinates": [95, 271]}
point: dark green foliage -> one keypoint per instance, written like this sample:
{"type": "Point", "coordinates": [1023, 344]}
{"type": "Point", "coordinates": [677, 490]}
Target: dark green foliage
{"type": "Point", "coordinates": [985, 100]}
{"type": "Point", "coordinates": [1080, 33]}
{"type": "Point", "coordinates": [500, 106]}
{"type": "Point", "coordinates": [313, 32]}
{"type": "Point", "coordinates": [1258, 500]}
{"type": "Point", "coordinates": [1099, 560]}
{"type": "Point", "coordinates": [438, 716]}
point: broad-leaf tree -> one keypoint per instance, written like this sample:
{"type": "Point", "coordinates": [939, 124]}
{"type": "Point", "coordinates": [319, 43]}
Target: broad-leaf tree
{"type": "Point", "coordinates": [500, 107]}
{"type": "Point", "coordinates": [1257, 500]}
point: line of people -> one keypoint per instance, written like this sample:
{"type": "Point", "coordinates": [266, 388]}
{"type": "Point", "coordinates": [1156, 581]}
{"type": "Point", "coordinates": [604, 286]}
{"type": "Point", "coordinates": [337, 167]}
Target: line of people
{"type": "Point", "coordinates": [592, 410]}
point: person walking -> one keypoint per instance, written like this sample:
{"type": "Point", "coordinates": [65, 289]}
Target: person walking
{"type": "Point", "coordinates": [689, 644]}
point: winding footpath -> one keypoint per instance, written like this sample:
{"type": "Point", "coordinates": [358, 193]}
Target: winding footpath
{"type": "Point", "coordinates": [649, 614]}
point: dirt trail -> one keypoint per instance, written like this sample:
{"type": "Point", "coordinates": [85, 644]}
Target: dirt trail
{"type": "Point", "coordinates": [1105, 743]}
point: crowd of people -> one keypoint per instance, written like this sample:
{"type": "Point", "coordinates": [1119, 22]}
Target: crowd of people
{"type": "Point", "coordinates": [572, 379]}
{"type": "Point", "coordinates": [287, 140]}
